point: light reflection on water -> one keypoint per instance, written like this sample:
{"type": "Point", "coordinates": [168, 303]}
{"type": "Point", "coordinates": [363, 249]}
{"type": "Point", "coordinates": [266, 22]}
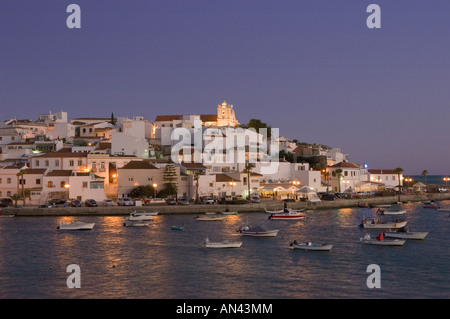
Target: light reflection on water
{"type": "Point", "coordinates": [157, 262]}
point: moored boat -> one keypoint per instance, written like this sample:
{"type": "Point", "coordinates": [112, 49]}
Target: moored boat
{"type": "Point", "coordinates": [136, 222]}
{"type": "Point", "coordinates": [404, 233]}
{"type": "Point", "coordinates": [274, 211]}
{"type": "Point", "coordinates": [229, 213]}
{"type": "Point", "coordinates": [379, 240]}
{"type": "Point", "coordinates": [257, 231]}
{"type": "Point", "coordinates": [391, 212]}
{"type": "Point", "coordinates": [377, 224]}
{"type": "Point", "coordinates": [142, 216]}
{"type": "Point", "coordinates": [221, 244]}
{"type": "Point", "coordinates": [76, 225]}
{"type": "Point", "coordinates": [209, 218]}
{"type": "Point", "coordinates": [177, 228]}
{"type": "Point", "coordinates": [310, 246]}
{"type": "Point", "coordinates": [287, 216]}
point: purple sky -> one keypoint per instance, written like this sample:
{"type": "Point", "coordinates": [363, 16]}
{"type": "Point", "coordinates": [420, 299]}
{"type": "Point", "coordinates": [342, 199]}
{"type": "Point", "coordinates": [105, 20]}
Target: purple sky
{"type": "Point", "coordinates": [311, 68]}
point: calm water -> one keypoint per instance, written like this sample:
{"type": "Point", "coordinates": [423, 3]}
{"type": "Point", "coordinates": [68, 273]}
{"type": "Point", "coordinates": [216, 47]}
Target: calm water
{"type": "Point", "coordinates": [157, 262]}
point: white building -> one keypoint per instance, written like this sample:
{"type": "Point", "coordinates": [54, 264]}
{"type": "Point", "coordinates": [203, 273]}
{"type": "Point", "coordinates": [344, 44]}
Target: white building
{"type": "Point", "coordinates": [388, 177]}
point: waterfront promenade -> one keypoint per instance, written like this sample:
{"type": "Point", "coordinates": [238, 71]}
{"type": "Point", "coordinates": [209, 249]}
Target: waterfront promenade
{"type": "Point", "coordinates": [198, 209]}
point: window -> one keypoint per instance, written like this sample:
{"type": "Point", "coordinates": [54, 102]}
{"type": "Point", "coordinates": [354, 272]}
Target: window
{"type": "Point", "coordinates": [85, 185]}
{"type": "Point", "coordinates": [80, 163]}
{"type": "Point", "coordinates": [345, 173]}
{"type": "Point", "coordinates": [62, 184]}
{"type": "Point", "coordinates": [38, 181]}
{"type": "Point", "coordinates": [47, 163]}
{"type": "Point", "coordinates": [50, 184]}
{"type": "Point", "coordinates": [130, 179]}
{"type": "Point", "coordinates": [0, 182]}
{"type": "Point", "coordinates": [71, 163]}
{"type": "Point", "coordinates": [8, 180]}
{"type": "Point", "coordinates": [8, 193]}
{"type": "Point", "coordinates": [36, 162]}
{"type": "Point", "coordinates": [56, 163]}
{"type": "Point", "coordinates": [211, 185]}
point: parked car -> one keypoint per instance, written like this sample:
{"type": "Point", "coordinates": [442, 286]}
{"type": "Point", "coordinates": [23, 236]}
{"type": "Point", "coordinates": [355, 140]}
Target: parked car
{"type": "Point", "coordinates": [6, 202]}
{"type": "Point", "coordinates": [157, 201]}
{"type": "Point", "coordinates": [210, 200]}
{"type": "Point", "coordinates": [75, 203]}
{"type": "Point", "coordinates": [90, 203]}
{"type": "Point", "coordinates": [108, 202]}
{"type": "Point", "coordinates": [255, 199]}
{"type": "Point", "coordinates": [184, 201]}
{"type": "Point", "coordinates": [327, 196]}
{"type": "Point", "coordinates": [125, 201]}
{"type": "Point", "coordinates": [171, 201]}
{"type": "Point", "coordinates": [57, 202]}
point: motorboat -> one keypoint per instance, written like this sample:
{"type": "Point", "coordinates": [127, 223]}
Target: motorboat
{"type": "Point", "coordinates": [287, 216]}
{"type": "Point", "coordinates": [310, 246]}
{"type": "Point", "coordinates": [142, 216]}
{"type": "Point", "coordinates": [7, 215]}
{"type": "Point", "coordinates": [209, 218]}
{"type": "Point", "coordinates": [76, 225]}
{"type": "Point", "coordinates": [391, 212]}
{"type": "Point", "coordinates": [221, 244]}
{"type": "Point", "coordinates": [136, 222]}
{"type": "Point", "coordinates": [177, 228]}
{"type": "Point", "coordinates": [274, 211]}
{"type": "Point", "coordinates": [257, 231]}
{"type": "Point", "coordinates": [375, 223]}
{"type": "Point", "coordinates": [404, 233]}
{"type": "Point", "coordinates": [229, 213]}
{"type": "Point", "coordinates": [379, 240]}
{"type": "Point", "coordinates": [444, 210]}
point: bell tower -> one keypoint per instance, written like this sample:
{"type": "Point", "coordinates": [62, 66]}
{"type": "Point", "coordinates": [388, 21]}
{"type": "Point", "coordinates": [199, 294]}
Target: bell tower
{"type": "Point", "coordinates": [226, 115]}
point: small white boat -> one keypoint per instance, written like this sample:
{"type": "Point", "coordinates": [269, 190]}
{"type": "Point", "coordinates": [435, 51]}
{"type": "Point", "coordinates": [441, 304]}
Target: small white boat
{"type": "Point", "coordinates": [258, 232]}
{"type": "Point", "coordinates": [404, 233]}
{"type": "Point", "coordinates": [141, 216]}
{"type": "Point", "coordinates": [136, 222]}
{"type": "Point", "coordinates": [377, 224]}
{"type": "Point", "coordinates": [287, 216]}
{"type": "Point", "coordinates": [275, 211]}
{"type": "Point", "coordinates": [221, 244]}
{"type": "Point", "coordinates": [77, 225]}
{"type": "Point", "coordinates": [7, 215]}
{"type": "Point", "coordinates": [391, 212]}
{"type": "Point", "coordinates": [209, 218]}
{"type": "Point", "coordinates": [310, 246]}
{"type": "Point", "coordinates": [379, 240]}
{"type": "Point", "coordinates": [444, 210]}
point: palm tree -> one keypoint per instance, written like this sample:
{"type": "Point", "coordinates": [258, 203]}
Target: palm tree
{"type": "Point", "coordinates": [326, 176]}
{"type": "Point", "coordinates": [196, 177]}
{"type": "Point", "coordinates": [248, 170]}
{"type": "Point", "coordinates": [399, 171]}
{"type": "Point", "coordinates": [424, 173]}
{"type": "Point", "coordinates": [338, 173]}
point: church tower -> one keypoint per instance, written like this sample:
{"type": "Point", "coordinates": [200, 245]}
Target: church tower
{"type": "Point", "coordinates": [225, 115]}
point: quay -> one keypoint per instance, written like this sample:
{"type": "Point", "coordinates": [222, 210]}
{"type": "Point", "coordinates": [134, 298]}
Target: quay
{"type": "Point", "coordinates": [198, 209]}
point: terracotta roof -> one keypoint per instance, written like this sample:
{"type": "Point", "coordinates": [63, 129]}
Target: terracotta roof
{"type": "Point", "coordinates": [382, 171]}
{"type": "Point", "coordinates": [345, 165]}
{"type": "Point", "coordinates": [35, 171]}
{"type": "Point", "coordinates": [60, 172]}
{"type": "Point", "coordinates": [164, 118]}
{"type": "Point", "coordinates": [193, 165]}
{"type": "Point", "coordinates": [225, 178]}
{"type": "Point", "coordinates": [62, 154]}
{"type": "Point", "coordinates": [209, 118]}
{"type": "Point", "coordinates": [138, 165]}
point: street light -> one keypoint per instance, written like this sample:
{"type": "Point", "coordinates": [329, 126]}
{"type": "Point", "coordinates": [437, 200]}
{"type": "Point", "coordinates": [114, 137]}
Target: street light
{"type": "Point", "coordinates": [154, 188]}
{"type": "Point", "coordinates": [232, 187]}
{"type": "Point", "coordinates": [446, 179]}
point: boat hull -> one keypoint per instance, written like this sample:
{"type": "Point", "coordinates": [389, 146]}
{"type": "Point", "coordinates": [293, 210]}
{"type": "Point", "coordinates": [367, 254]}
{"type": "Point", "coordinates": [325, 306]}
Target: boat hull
{"type": "Point", "coordinates": [287, 216]}
{"type": "Point", "coordinates": [136, 223]}
{"type": "Point", "coordinates": [407, 235]}
{"type": "Point", "coordinates": [393, 242]}
{"type": "Point", "coordinates": [269, 233]}
{"type": "Point", "coordinates": [393, 225]}
{"type": "Point", "coordinates": [76, 226]}
{"type": "Point", "coordinates": [312, 247]}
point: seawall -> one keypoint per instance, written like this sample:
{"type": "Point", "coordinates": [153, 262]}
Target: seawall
{"type": "Point", "coordinates": [199, 209]}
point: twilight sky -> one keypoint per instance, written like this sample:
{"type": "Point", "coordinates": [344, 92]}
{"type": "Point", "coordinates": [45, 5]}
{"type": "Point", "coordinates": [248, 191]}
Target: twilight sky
{"type": "Point", "coordinates": [311, 68]}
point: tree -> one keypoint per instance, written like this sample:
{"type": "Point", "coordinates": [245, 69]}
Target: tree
{"type": "Point", "coordinates": [338, 173]}
{"type": "Point", "coordinates": [113, 120]}
{"type": "Point", "coordinates": [146, 191]}
{"type": "Point", "coordinates": [425, 173]}
{"type": "Point", "coordinates": [399, 171]}
{"type": "Point", "coordinates": [257, 125]}
{"type": "Point", "coordinates": [170, 177]}
{"type": "Point", "coordinates": [326, 176]}
{"type": "Point", "coordinates": [196, 178]}
{"type": "Point", "coordinates": [15, 198]}
{"type": "Point", "coordinates": [248, 170]}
